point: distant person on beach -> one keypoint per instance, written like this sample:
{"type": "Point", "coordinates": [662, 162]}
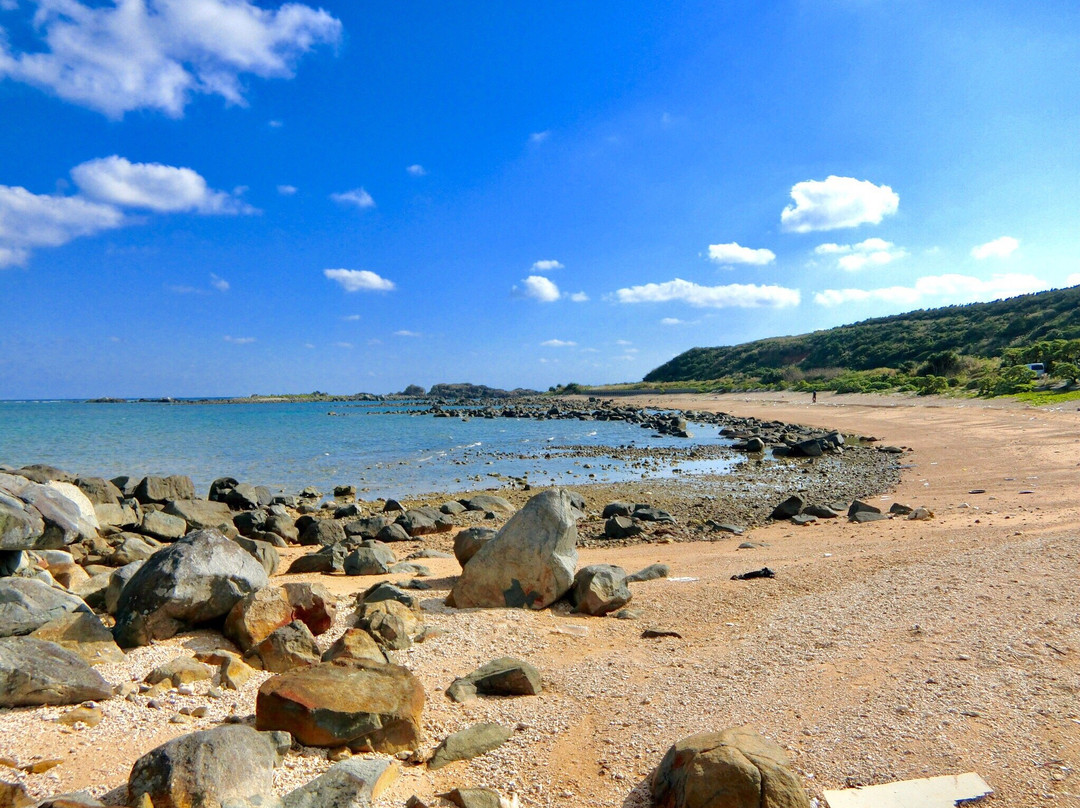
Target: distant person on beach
{"type": "Point", "coordinates": [813, 398]}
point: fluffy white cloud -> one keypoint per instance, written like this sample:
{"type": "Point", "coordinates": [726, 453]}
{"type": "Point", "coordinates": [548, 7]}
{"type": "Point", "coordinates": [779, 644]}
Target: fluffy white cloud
{"type": "Point", "coordinates": [539, 137]}
{"type": "Point", "coordinates": [732, 295]}
{"type": "Point", "coordinates": [154, 54]}
{"type": "Point", "coordinates": [671, 321]}
{"type": "Point", "coordinates": [539, 288]}
{"type": "Point", "coordinates": [219, 283]}
{"type": "Point", "coordinates": [359, 280]}
{"type": "Point", "coordinates": [1072, 280]}
{"type": "Point", "coordinates": [352, 318]}
{"type": "Point", "coordinates": [405, 333]}
{"type": "Point", "coordinates": [837, 202]}
{"type": "Point", "coordinates": [578, 297]}
{"type": "Point", "coordinates": [942, 289]}
{"type": "Point", "coordinates": [29, 220]}
{"type": "Point", "coordinates": [998, 248]}
{"type": "Point", "coordinates": [151, 186]}
{"type": "Point", "coordinates": [874, 252]}
{"type": "Point", "coordinates": [358, 196]}
{"type": "Point", "coordinates": [734, 253]}
{"type": "Point", "coordinates": [416, 170]}
{"type": "Point", "coordinates": [240, 340]}
{"type": "Point", "coordinates": [546, 266]}
{"type": "Point", "coordinates": [558, 343]}
{"type": "Point", "coordinates": [287, 190]}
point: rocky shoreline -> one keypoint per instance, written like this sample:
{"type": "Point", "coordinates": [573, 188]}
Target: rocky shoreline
{"type": "Point", "coordinates": [89, 567]}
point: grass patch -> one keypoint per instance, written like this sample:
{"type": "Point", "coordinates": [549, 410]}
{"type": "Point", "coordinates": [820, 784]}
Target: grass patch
{"type": "Point", "coordinates": [1048, 398]}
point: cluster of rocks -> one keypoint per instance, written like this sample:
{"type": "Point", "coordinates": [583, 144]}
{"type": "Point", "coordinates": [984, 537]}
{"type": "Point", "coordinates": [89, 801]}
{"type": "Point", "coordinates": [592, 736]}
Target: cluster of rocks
{"type": "Point", "coordinates": [797, 510]}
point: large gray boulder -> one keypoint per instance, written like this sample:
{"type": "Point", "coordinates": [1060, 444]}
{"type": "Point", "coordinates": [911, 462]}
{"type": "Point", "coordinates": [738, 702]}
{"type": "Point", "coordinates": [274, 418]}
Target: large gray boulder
{"type": "Point", "coordinates": [351, 783]}
{"type": "Point", "coordinates": [599, 589]}
{"type": "Point", "coordinates": [68, 514]}
{"type": "Point", "coordinates": [374, 559]}
{"type": "Point", "coordinates": [34, 672]}
{"type": "Point", "coordinates": [735, 768]}
{"type": "Point", "coordinates": [201, 514]}
{"type": "Point", "coordinates": [530, 563]}
{"type": "Point", "coordinates": [20, 525]}
{"type": "Point", "coordinates": [197, 579]}
{"type": "Point", "coordinates": [27, 604]}
{"type": "Point", "coordinates": [230, 765]}
{"type": "Point", "coordinates": [163, 489]}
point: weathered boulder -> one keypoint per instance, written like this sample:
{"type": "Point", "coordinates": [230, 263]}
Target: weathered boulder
{"type": "Point", "coordinates": [285, 648]}
{"type": "Point", "coordinates": [99, 491]}
{"type": "Point", "coordinates": [181, 670]}
{"type": "Point", "coordinates": [117, 581]}
{"type": "Point", "coordinates": [355, 643]}
{"type": "Point", "coordinates": [504, 676]}
{"type": "Point", "coordinates": [43, 473]}
{"type": "Point", "coordinates": [375, 559]}
{"type": "Point", "coordinates": [261, 551]}
{"type": "Point", "coordinates": [365, 705]}
{"type": "Point", "coordinates": [163, 525]}
{"type": "Point", "coordinates": [622, 527]}
{"type": "Point", "coordinates": [282, 525]}
{"type": "Point", "coordinates": [253, 618]}
{"type": "Point", "coordinates": [200, 514]}
{"type": "Point", "coordinates": [325, 532]}
{"type": "Point", "coordinates": [424, 521]}
{"type": "Point", "coordinates": [197, 579]}
{"type": "Point", "coordinates": [649, 573]}
{"type": "Point", "coordinates": [617, 509]}
{"type": "Point", "coordinates": [530, 563]}
{"type": "Point", "coordinates": [469, 541]}
{"type": "Point", "coordinates": [488, 502]}
{"type": "Point", "coordinates": [790, 507]}
{"type": "Point", "coordinates": [132, 548]}
{"type": "Point", "coordinates": [27, 604]}
{"type": "Point", "coordinates": [474, 798]}
{"type": "Point", "coordinates": [735, 768]}
{"type": "Point", "coordinates": [649, 514]}
{"type": "Point", "coordinates": [163, 489]}
{"type": "Point", "coordinates": [369, 526]}
{"type": "Point", "coordinates": [327, 559]}
{"type": "Point", "coordinates": [351, 783]}
{"type": "Point", "coordinates": [392, 533]}
{"type": "Point", "coordinates": [468, 743]}
{"type": "Point", "coordinates": [384, 590]}
{"type": "Point", "coordinates": [230, 765]}
{"type": "Point", "coordinates": [313, 605]}
{"type": "Point", "coordinates": [68, 515]}
{"type": "Point", "coordinates": [21, 526]}
{"type": "Point", "coordinates": [389, 623]}
{"type": "Point", "coordinates": [84, 635]}
{"type": "Point", "coordinates": [36, 672]}
{"type": "Point", "coordinates": [117, 515]}
{"type": "Point", "coordinates": [599, 589]}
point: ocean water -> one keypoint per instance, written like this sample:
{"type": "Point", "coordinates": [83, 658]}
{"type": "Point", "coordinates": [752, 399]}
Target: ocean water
{"type": "Point", "coordinates": [288, 446]}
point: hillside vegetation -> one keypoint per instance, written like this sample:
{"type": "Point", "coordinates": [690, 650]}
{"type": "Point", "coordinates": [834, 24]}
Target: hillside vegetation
{"type": "Point", "coordinates": [980, 346]}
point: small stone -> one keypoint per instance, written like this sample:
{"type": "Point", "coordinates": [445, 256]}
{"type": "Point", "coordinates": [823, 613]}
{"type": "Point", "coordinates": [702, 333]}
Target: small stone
{"type": "Point", "coordinates": [91, 716]}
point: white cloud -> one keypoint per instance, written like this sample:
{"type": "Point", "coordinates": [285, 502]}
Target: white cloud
{"type": "Point", "coordinates": [1072, 280]}
{"type": "Point", "coordinates": [998, 248]}
{"type": "Point", "coordinates": [539, 137]}
{"type": "Point", "coordinates": [151, 186]}
{"type": "Point", "coordinates": [240, 340]}
{"type": "Point", "coordinates": [287, 190]}
{"type": "Point", "coordinates": [578, 297]}
{"type": "Point", "coordinates": [358, 196]}
{"type": "Point", "coordinates": [623, 342]}
{"type": "Point", "coordinates": [352, 318]}
{"type": "Point", "coordinates": [416, 170]}
{"type": "Point", "coordinates": [29, 220]}
{"type": "Point", "coordinates": [740, 295]}
{"type": "Point", "coordinates": [734, 253]}
{"type": "Point", "coordinates": [558, 343]}
{"type": "Point", "coordinates": [345, 345]}
{"type": "Point", "coordinates": [837, 202]}
{"type": "Point", "coordinates": [546, 266]}
{"type": "Point", "coordinates": [219, 283]}
{"type": "Point", "coordinates": [874, 252]}
{"type": "Point", "coordinates": [671, 321]}
{"type": "Point", "coordinates": [942, 289]}
{"type": "Point", "coordinates": [275, 124]}
{"type": "Point", "coordinates": [405, 333]}
{"type": "Point", "coordinates": [539, 288]}
{"type": "Point", "coordinates": [359, 280]}
{"type": "Point", "coordinates": [155, 54]}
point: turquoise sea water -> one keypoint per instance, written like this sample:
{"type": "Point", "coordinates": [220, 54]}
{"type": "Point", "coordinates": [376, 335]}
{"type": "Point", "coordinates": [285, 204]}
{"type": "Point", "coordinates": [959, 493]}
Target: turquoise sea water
{"type": "Point", "coordinates": [288, 446]}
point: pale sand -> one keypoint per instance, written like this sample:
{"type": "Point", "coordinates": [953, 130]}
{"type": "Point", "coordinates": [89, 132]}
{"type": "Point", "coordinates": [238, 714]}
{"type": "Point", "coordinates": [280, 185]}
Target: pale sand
{"type": "Point", "coordinates": [882, 651]}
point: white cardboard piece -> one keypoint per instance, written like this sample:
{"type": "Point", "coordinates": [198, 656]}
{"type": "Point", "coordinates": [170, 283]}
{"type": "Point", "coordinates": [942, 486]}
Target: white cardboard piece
{"type": "Point", "coordinates": [930, 792]}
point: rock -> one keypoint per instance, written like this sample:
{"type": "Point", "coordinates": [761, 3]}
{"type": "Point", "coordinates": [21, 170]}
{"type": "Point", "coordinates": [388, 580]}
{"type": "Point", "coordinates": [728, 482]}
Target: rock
{"type": "Point", "coordinates": [351, 783]}
{"type": "Point", "coordinates": [325, 532]}
{"type": "Point", "coordinates": [801, 519]}
{"type": "Point", "coordinates": [34, 672]}
{"type": "Point", "coordinates": [90, 716]}
{"type": "Point", "coordinates": [232, 671]}
{"type": "Point", "coordinates": [452, 508]}
{"type": "Point", "coordinates": [253, 618]}
{"type": "Point", "coordinates": [504, 676]}
{"type": "Point", "coordinates": [530, 563]}
{"type": "Point", "coordinates": [488, 502]}
{"type": "Point", "coordinates": [821, 512]}
{"type": "Point", "coordinates": [328, 559]}
{"type": "Point", "coordinates": [409, 568]}
{"type": "Point", "coordinates": [202, 515]}
{"type": "Point", "coordinates": [900, 509]}
{"type": "Point", "coordinates": [613, 509]}
{"type": "Point", "coordinates": [372, 560]}
{"type": "Point", "coordinates": [117, 581]}
{"type": "Point", "coordinates": [599, 589]}
{"type": "Point", "coordinates": [365, 705]}
{"type": "Point", "coordinates": [84, 635]}
{"type": "Point", "coordinates": [163, 489]}
{"type": "Point", "coordinates": [220, 488]}
{"type": "Point", "coordinates": [42, 473]}
{"type": "Point", "coordinates": [21, 527]}
{"type": "Point", "coordinates": [197, 579]}
{"type": "Point", "coordinates": [387, 626]}
{"type": "Point", "coordinates": [369, 527]}
{"type": "Point", "coordinates": [355, 643]}
{"type": "Point", "coordinates": [246, 497]}
{"type": "Point", "coordinates": [26, 604]}
{"type": "Point", "coordinates": [790, 507]}
{"type": "Point", "coordinates": [861, 517]}
{"type": "Point", "coordinates": [12, 562]}
{"type": "Point", "coordinates": [13, 795]}
{"type": "Point", "coordinates": [387, 591]}
{"type": "Point", "coordinates": [650, 573]}
{"type": "Point", "coordinates": [736, 768]}
{"type": "Point", "coordinates": [67, 514]}
{"type": "Point", "coordinates": [93, 590]}
{"type": "Point", "coordinates": [163, 526]}
{"type": "Point", "coordinates": [423, 522]}
{"type": "Point", "coordinates": [261, 551]}
{"type": "Point", "coordinates": [121, 516]}
{"type": "Point", "coordinates": [182, 670]}
{"type": "Point", "coordinates": [282, 525]}
{"type": "Point", "coordinates": [469, 541]}
{"type": "Point", "coordinates": [921, 514]}
{"type": "Point", "coordinates": [647, 514]}
{"type": "Point", "coordinates": [392, 506]}
{"type": "Point", "coordinates": [291, 646]}
{"type": "Point", "coordinates": [811, 447]}
{"type": "Point", "coordinates": [131, 549]}
{"type": "Point", "coordinates": [621, 527]}
{"type": "Point", "coordinates": [230, 765]}
{"type": "Point", "coordinates": [99, 491]}
{"type": "Point", "coordinates": [474, 798]}
{"type": "Point", "coordinates": [469, 743]}
{"type": "Point", "coordinates": [313, 605]}
{"type": "Point", "coordinates": [858, 506]}
{"type": "Point", "coordinates": [764, 572]}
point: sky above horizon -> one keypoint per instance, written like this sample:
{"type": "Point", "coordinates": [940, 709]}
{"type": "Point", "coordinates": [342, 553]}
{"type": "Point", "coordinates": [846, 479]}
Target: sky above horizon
{"type": "Point", "coordinates": [221, 197]}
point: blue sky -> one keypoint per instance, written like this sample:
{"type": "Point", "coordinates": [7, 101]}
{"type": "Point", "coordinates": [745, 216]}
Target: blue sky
{"type": "Point", "coordinates": [216, 197]}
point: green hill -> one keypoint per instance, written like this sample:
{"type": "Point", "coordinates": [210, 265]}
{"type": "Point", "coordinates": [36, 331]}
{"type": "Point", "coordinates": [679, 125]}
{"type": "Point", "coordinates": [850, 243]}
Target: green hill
{"type": "Point", "coordinates": [902, 342]}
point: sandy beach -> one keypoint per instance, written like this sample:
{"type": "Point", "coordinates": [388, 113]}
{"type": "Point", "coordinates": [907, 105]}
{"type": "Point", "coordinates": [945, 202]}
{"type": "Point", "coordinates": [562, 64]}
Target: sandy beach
{"type": "Point", "coordinates": [882, 651]}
